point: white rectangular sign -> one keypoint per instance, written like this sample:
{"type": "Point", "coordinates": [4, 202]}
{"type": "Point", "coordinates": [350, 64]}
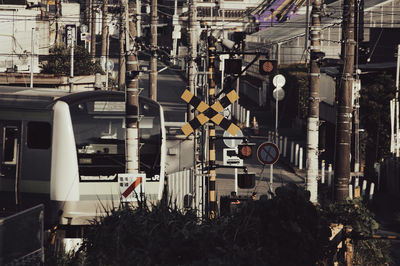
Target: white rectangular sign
{"type": "Point", "coordinates": [131, 186]}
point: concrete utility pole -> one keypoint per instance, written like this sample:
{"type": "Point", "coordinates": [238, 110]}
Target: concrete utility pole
{"type": "Point", "coordinates": [88, 13]}
{"type": "Point", "coordinates": [212, 197]}
{"type": "Point", "coordinates": [122, 62]}
{"type": "Point", "coordinates": [192, 53]}
{"type": "Point", "coordinates": [343, 120]}
{"type": "Point", "coordinates": [139, 18]}
{"type": "Point", "coordinates": [32, 55]}
{"type": "Point", "coordinates": [313, 103]}
{"type": "Point", "coordinates": [93, 31]}
{"type": "Point", "coordinates": [396, 106]}
{"type": "Point", "coordinates": [104, 31]}
{"type": "Point", "coordinates": [153, 60]}
{"type": "Point", "coordinates": [132, 98]}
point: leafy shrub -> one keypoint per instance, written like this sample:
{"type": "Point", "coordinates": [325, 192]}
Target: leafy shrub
{"type": "Point", "coordinates": [287, 230]}
{"type": "Point", "coordinates": [356, 214]}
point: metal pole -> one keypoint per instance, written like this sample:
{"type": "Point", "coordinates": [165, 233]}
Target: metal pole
{"type": "Point", "coordinates": [276, 119]}
{"type": "Point", "coordinates": [211, 129]}
{"type": "Point", "coordinates": [32, 47]}
{"type": "Point", "coordinates": [236, 181]}
{"type": "Point", "coordinates": [271, 175]}
{"type": "Point", "coordinates": [343, 125]}
{"type": "Point", "coordinates": [107, 57]}
{"type": "Point", "coordinates": [193, 53]}
{"type": "Point", "coordinates": [104, 31]}
{"type": "Point", "coordinates": [88, 15]}
{"type": "Point", "coordinates": [153, 47]}
{"type": "Point", "coordinates": [93, 32]}
{"type": "Point", "coordinates": [122, 33]}
{"type": "Point", "coordinates": [313, 104]}
{"type": "Point", "coordinates": [71, 76]}
{"type": "Point", "coordinates": [132, 99]}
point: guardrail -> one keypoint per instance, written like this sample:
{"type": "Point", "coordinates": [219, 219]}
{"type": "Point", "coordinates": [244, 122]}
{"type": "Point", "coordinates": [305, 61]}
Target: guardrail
{"type": "Point", "coordinates": [21, 237]}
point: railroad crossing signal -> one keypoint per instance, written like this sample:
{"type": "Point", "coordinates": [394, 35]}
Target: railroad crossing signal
{"type": "Point", "coordinates": [267, 67]}
{"type": "Point", "coordinates": [210, 112]}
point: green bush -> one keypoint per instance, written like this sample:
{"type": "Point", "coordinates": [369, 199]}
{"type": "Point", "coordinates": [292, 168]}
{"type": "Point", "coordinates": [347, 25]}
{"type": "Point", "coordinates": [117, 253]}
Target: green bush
{"type": "Point", "coordinates": [287, 230]}
{"type": "Point", "coordinates": [357, 215]}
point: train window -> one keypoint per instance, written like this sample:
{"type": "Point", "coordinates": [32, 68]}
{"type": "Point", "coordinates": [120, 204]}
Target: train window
{"type": "Point", "coordinates": [10, 140]}
{"type": "Point", "coordinates": [39, 135]}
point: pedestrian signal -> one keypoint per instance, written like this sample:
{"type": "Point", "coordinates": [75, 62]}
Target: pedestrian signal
{"type": "Point", "coordinates": [267, 67]}
{"type": "Point", "coordinates": [246, 180]}
{"type": "Point", "coordinates": [233, 66]}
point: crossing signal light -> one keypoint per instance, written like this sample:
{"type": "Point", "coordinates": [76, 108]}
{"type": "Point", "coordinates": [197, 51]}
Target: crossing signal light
{"type": "Point", "coordinates": [244, 151]}
{"type": "Point", "coordinates": [246, 180]}
{"type": "Point", "coordinates": [233, 66]}
{"type": "Point", "coordinates": [267, 67]}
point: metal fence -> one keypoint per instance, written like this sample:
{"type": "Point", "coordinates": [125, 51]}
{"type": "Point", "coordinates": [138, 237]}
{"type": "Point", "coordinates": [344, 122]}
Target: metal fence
{"type": "Point", "coordinates": [185, 190]}
{"type": "Point", "coordinates": [21, 237]}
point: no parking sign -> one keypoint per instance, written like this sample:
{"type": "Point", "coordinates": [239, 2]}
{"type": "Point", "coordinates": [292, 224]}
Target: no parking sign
{"type": "Point", "coordinates": [268, 153]}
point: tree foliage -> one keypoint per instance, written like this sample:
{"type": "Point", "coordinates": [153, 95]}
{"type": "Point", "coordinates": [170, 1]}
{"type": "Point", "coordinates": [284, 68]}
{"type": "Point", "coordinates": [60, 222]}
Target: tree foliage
{"type": "Point", "coordinates": [362, 220]}
{"type": "Point", "coordinates": [59, 62]}
{"type": "Point", "coordinates": [297, 89]}
{"type": "Point", "coordinates": [376, 93]}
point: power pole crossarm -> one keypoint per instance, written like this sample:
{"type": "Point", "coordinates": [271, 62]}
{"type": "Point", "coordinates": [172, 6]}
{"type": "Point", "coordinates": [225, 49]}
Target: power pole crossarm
{"type": "Point", "coordinates": [313, 103]}
{"type": "Point", "coordinates": [343, 120]}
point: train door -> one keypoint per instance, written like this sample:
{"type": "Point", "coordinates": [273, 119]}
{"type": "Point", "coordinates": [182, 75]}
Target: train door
{"type": "Point", "coordinates": [10, 139]}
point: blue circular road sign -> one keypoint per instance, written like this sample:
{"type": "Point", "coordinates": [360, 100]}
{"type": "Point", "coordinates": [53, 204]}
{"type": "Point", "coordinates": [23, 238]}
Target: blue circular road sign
{"type": "Point", "coordinates": [268, 153]}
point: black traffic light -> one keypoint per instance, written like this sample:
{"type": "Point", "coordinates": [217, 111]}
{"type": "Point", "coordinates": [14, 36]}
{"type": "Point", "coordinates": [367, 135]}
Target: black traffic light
{"type": "Point", "coordinates": [268, 67]}
{"type": "Point", "coordinates": [246, 180]}
{"type": "Point", "coordinates": [244, 151]}
{"type": "Point", "coordinates": [233, 66]}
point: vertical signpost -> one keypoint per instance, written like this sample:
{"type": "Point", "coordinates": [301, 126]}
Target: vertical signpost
{"type": "Point", "coordinates": [268, 153]}
{"type": "Point", "coordinates": [278, 94]}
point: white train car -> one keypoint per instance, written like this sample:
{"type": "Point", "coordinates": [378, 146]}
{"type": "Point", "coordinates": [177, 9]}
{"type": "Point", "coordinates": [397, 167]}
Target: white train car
{"type": "Point", "coordinates": [67, 149]}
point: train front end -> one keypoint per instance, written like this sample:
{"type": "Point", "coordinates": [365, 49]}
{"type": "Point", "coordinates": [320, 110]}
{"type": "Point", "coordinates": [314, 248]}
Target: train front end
{"type": "Point", "coordinates": [88, 154]}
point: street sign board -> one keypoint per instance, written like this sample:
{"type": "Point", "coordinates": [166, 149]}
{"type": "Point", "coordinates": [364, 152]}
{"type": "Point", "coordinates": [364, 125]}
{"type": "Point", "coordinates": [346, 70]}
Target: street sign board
{"type": "Point", "coordinates": [131, 186]}
{"type": "Point", "coordinates": [233, 143]}
{"type": "Point", "coordinates": [231, 160]}
{"type": "Point", "coordinates": [268, 153]}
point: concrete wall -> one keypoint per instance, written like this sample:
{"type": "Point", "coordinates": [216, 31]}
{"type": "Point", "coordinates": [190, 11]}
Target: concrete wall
{"type": "Point", "coordinates": [17, 24]}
